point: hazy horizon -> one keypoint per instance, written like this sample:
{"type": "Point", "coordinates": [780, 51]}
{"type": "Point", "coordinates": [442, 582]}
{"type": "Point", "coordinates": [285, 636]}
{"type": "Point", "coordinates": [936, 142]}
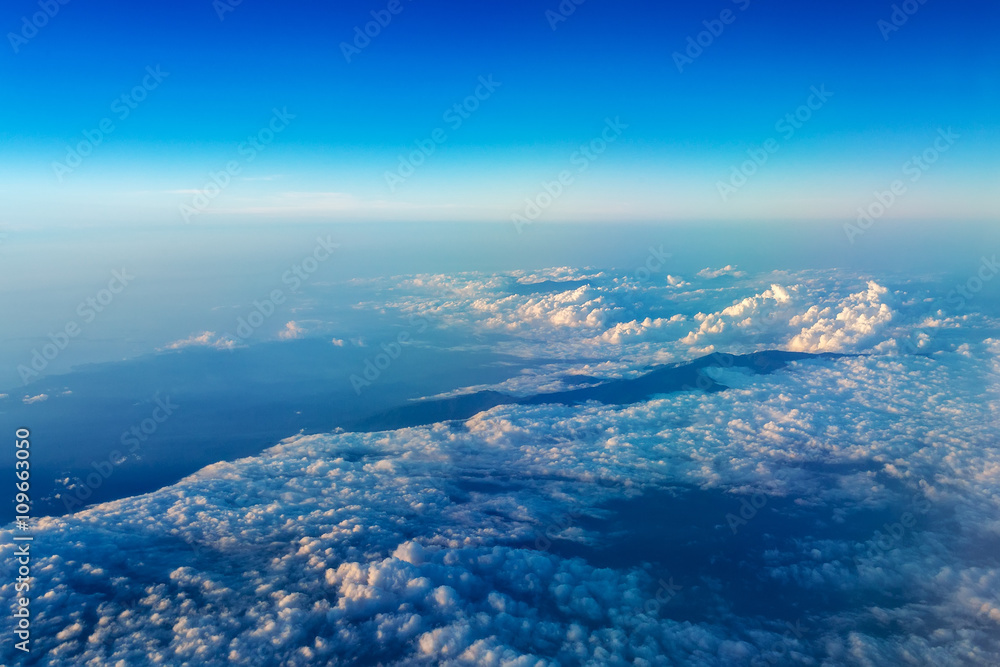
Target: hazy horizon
{"type": "Point", "coordinates": [506, 333]}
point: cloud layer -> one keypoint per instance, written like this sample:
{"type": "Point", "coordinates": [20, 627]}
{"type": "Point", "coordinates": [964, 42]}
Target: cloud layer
{"type": "Point", "coordinates": [494, 541]}
{"type": "Point", "coordinates": [839, 511]}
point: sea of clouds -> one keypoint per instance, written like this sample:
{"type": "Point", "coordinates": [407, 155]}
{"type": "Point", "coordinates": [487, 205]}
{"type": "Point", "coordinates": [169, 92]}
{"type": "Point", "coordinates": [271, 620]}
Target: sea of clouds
{"type": "Point", "coordinates": [838, 511]}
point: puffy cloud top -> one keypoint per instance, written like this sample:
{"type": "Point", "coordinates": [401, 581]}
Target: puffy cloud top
{"type": "Point", "coordinates": [839, 511]}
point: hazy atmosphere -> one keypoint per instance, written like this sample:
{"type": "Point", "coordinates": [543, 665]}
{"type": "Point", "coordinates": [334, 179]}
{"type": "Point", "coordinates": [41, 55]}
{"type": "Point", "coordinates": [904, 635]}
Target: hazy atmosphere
{"type": "Point", "coordinates": [500, 333]}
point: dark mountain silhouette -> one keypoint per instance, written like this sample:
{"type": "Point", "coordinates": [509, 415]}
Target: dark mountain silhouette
{"type": "Point", "coordinates": [661, 380]}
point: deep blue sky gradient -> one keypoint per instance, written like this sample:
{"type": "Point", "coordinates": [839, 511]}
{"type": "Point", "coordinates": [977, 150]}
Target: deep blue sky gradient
{"type": "Point", "coordinates": [686, 130]}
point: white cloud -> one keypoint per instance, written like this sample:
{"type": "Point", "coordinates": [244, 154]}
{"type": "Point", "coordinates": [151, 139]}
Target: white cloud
{"type": "Point", "coordinates": [833, 329]}
{"type": "Point", "coordinates": [204, 339]}
{"type": "Point", "coordinates": [576, 308]}
{"type": "Point", "coordinates": [35, 399]}
{"type": "Point", "coordinates": [727, 270]}
{"type": "Point", "coordinates": [750, 320]}
{"type": "Point", "coordinates": [636, 329]}
{"type": "Point", "coordinates": [291, 331]}
{"type": "Point", "coordinates": [656, 322]}
{"type": "Point", "coordinates": [438, 543]}
{"type": "Point", "coordinates": [482, 542]}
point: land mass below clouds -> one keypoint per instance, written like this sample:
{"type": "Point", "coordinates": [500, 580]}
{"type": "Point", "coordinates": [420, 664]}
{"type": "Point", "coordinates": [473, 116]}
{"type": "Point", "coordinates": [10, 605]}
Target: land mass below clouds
{"type": "Point", "coordinates": [233, 405]}
{"type": "Point", "coordinates": [662, 380]}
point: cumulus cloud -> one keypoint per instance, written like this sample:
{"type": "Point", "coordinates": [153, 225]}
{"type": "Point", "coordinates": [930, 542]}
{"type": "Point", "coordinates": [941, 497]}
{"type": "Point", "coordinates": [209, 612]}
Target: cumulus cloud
{"type": "Point", "coordinates": [581, 307]}
{"type": "Point", "coordinates": [621, 325]}
{"type": "Point", "coordinates": [291, 331]}
{"type": "Point", "coordinates": [833, 329]}
{"type": "Point", "coordinates": [624, 330]}
{"type": "Point", "coordinates": [782, 317]}
{"type": "Point", "coordinates": [750, 319]}
{"type": "Point", "coordinates": [529, 534]}
{"type": "Point", "coordinates": [28, 400]}
{"type": "Point", "coordinates": [203, 339]}
{"type": "Point", "coordinates": [679, 530]}
{"type": "Point", "coordinates": [727, 270]}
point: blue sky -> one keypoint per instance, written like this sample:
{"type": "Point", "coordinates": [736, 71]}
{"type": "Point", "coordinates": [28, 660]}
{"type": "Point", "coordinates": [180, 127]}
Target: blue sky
{"type": "Point", "coordinates": [686, 130]}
